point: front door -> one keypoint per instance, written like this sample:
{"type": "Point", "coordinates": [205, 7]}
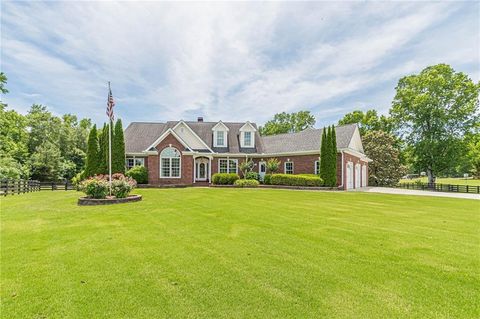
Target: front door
{"type": "Point", "coordinates": [262, 170]}
{"type": "Point", "coordinates": [201, 169]}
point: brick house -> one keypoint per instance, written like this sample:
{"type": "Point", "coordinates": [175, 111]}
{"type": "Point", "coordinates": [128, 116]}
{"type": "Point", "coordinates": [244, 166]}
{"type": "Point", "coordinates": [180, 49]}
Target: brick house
{"type": "Point", "coordinates": [189, 153]}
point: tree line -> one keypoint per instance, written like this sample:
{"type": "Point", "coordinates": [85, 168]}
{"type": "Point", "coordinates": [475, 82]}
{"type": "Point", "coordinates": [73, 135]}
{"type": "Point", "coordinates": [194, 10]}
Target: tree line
{"type": "Point", "coordinates": [432, 126]}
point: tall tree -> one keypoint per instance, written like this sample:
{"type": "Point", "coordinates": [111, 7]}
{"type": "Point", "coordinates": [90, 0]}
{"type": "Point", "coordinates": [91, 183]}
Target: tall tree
{"type": "Point", "coordinates": [3, 81]}
{"type": "Point", "coordinates": [288, 123]}
{"type": "Point", "coordinates": [323, 155]}
{"type": "Point", "coordinates": [367, 121]}
{"type": "Point", "coordinates": [386, 169]}
{"type": "Point", "coordinates": [333, 152]}
{"type": "Point", "coordinates": [92, 161]}
{"type": "Point", "coordinates": [46, 162]}
{"type": "Point", "coordinates": [118, 149]}
{"type": "Point", "coordinates": [433, 111]}
{"type": "Point", "coordinates": [103, 150]}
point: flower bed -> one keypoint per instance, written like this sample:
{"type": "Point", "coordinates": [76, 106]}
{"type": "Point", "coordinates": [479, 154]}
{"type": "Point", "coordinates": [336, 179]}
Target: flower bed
{"type": "Point", "coordinates": [97, 188]}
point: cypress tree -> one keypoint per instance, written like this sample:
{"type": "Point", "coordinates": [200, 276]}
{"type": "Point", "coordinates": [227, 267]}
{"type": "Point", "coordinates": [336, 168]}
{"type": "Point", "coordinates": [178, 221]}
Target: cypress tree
{"type": "Point", "coordinates": [103, 150]}
{"type": "Point", "coordinates": [328, 158]}
{"type": "Point", "coordinates": [118, 149]}
{"type": "Point", "coordinates": [333, 150]}
{"type": "Point", "coordinates": [91, 166]}
{"type": "Point", "coordinates": [323, 154]}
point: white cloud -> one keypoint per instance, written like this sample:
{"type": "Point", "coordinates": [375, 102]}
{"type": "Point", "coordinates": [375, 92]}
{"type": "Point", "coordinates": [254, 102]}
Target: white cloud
{"type": "Point", "coordinates": [232, 61]}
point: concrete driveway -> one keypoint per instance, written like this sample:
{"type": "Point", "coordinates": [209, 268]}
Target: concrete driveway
{"type": "Point", "coordinates": [401, 191]}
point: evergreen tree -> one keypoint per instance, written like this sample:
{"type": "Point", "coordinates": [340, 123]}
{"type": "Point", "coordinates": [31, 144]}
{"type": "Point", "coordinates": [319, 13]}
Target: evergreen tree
{"type": "Point", "coordinates": [334, 157]}
{"type": "Point", "coordinates": [118, 149]}
{"type": "Point", "coordinates": [91, 166]}
{"type": "Point", "coordinates": [103, 150]}
{"type": "Point", "coordinates": [323, 153]}
{"type": "Point", "coordinates": [328, 157]}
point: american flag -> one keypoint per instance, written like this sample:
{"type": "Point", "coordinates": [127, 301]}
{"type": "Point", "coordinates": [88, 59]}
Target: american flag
{"type": "Point", "coordinates": [110, 104]}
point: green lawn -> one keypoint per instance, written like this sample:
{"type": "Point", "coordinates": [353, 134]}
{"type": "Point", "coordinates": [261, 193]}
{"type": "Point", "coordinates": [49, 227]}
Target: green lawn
{"type": "Point", "coordinates": [453, 181]}
{"type": "Point", "coordinates": [240, 253]}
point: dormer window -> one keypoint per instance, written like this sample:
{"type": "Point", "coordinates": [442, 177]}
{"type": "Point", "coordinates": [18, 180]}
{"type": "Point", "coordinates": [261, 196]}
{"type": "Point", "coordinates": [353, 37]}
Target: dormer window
{"type": "Point", "coordinates": [247, 138]}
{"type": "Point", "coordinates": [220, 135]}
{"type": "Point", "coordinates": [247, 135]}
{"type": "Point", "coordinates": [220, 138]}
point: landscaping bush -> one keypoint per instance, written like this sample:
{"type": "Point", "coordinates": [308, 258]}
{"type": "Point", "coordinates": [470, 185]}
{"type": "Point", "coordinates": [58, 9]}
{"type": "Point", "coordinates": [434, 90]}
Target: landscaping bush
{"type": "Point", "coordinates": [98, 186]}
{"type": "Point", "coordinates": [267, 179]}
{"type": "Point", "coordinates": [295, 180]}
{"type": "Point", "coordinates": [138, 173]}
{"type": "Point", "coordinates": [224, 178]}
{"type": "Point", "coordinates": [252, 175]}
{"type": "Point", "coordinates": [122, 185]}
{"type": "Point", "coordinates": [95, 187]}
{"type": "Point", "coordinates": [246, 183]}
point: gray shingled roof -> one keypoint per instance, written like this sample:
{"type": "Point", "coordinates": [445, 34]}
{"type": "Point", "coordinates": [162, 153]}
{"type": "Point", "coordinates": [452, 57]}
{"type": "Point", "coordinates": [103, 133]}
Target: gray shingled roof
{"type": "Point", "coordinates": [308, 140]}
{"type": "Point", "coordinates": [140, 135]}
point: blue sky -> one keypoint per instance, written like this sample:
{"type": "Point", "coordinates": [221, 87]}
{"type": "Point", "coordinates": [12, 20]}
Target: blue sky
{"type": "Point", "coordinates": [229, 61]}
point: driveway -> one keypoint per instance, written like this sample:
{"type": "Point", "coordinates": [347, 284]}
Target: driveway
{"type": "Point", "coordinates": [401, 191]}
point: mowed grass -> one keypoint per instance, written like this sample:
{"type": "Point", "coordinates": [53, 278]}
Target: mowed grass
{"type": "Point", "coordinates": [453, 181]}
{"type": "Point", "coordinates": [240, 253]}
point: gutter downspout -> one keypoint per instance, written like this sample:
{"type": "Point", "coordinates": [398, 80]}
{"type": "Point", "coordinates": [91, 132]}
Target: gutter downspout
{"type": "Point", "coordinates": [343, 164]}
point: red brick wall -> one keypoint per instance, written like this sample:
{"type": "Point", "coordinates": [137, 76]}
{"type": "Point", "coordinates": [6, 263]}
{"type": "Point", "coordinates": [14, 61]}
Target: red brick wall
{"type": "Point", "coordinates": [302, 164]}
{"type": "Point", "coordinates": [154, 165]}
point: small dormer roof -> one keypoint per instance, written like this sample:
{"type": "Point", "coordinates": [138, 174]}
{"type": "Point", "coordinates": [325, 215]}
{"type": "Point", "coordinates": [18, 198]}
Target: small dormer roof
{"type": "Point", "coordinates": [220, 126]}
{"type": "Point", "coordinates": [248, 127]}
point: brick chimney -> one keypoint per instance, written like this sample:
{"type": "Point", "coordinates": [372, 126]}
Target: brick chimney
{"type": "Point", "coordinates": [199, 119]}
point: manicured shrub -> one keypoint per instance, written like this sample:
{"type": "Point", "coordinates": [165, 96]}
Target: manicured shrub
{"type": "Point", "coordinates": [246, 183]}
{"type": "Point", "coordinates": [138, 173]}
{"type": "Point", "coordinates": [122, 185]}
{"type": "Point", "coordinates": [267, 179]}
{"type": "Point", "coordinates": [295, 180]}
{"type": "Point", "coordinates": [98, 186]}
{"type": "Point", "coordinates": [224, 178]}
{"type": "Point", "coordinates": [252, 175]}
{"type": "Point", "coordinates": [95, 187]}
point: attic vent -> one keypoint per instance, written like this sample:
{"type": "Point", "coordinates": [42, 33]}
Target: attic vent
{"type": "Point", "coordinates": [199, 119]}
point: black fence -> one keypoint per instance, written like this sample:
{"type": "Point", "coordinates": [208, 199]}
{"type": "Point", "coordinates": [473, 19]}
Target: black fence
{"type": "Point", "coordinates": [20, 186]}
{"type": "Point", "coordinates": [472, 189]}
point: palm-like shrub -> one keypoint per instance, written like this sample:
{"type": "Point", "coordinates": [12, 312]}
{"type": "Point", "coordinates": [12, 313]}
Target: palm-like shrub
{"type": "Point", "coordinates": [272, 165]}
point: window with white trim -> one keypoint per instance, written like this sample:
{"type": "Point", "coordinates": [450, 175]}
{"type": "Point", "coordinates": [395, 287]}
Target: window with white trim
{"type": "Point", "coordinates": [317, 167]}
{"type": "Point", "coordinates": [288, 167]}
{"type": "Point", "coordinates": [220, 138]}
{"type": "Point", "coordinates": [227, 165]}
{"type": "Point", "coordinates": [130, 162]}
{"type": "Point", "coordinates": [170, 160]}
{"type": "Point", "coordinates": [247, 138]}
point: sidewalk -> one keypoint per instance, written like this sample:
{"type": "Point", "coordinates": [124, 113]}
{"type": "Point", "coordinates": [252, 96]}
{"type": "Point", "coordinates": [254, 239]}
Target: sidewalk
{"type": "Point", "coordinates": [401, 191]}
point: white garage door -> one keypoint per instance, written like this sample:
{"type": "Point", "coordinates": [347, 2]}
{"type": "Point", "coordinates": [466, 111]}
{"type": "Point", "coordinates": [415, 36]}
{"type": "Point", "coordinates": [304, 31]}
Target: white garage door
{"type": "Point", "coordinates": [364, 176]}
{"type": "Point", "coordinates": [349, 175]}
{"type": "Point", "coordinates": [357, 175]}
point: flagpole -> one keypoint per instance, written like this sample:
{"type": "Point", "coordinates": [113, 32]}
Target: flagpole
{"type": "Point", "coordinates": [110, 149]}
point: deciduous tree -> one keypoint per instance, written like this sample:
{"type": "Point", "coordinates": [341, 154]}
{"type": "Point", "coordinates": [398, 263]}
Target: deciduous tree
{"type": "Point", "coordinates": [288, 123]}
{"type": "Point", "coordinates": [386, 169]}
{"type": "Point", "coordinates": [433, 111]}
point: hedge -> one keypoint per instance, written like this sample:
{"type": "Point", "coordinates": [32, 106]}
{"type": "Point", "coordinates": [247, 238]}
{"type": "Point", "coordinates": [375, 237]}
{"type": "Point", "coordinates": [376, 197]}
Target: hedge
{"type": "Point", "coordinates": [295, 180]}
{"type": "Point", "coordinates": [246, 183]}
{"type": "Point", "coordinates": [224, 178]}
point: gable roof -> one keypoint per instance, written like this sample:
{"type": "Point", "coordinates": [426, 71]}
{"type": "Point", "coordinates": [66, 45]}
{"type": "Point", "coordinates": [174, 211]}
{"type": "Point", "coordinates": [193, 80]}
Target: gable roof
{"type": "Point", "coordinates": [307, 140]}
{"type": "Point", "coordinates": [140, 135]}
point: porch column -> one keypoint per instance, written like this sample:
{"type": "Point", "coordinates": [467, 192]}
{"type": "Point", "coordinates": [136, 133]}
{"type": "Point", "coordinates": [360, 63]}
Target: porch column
{"type": "Point", "coordinates": [209, 170]}
{"type": "Point", "coordinates": [194, 168]}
